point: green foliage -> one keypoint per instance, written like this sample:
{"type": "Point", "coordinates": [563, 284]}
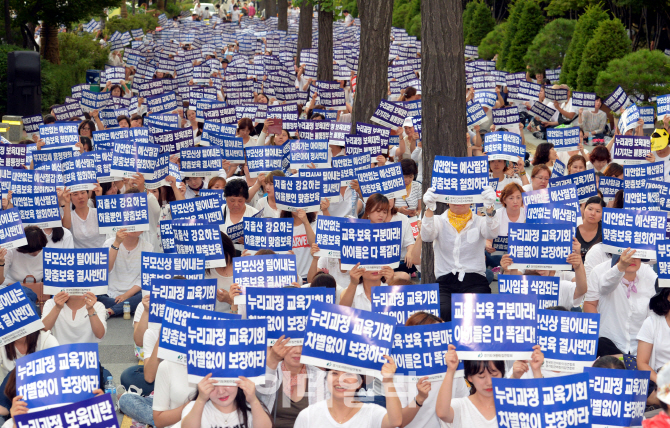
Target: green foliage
{"type": "Point", "coordinates": [171, 9]}
{"type": "Point", "coordinates": [481, 25]}
{"type": "Point", "coordinates": [406, 14]}
{"type": "Point", "coordinates": [586, 25]}
{"type": "Point", "coordinates": [468, 15]}
{"type": "Point", "coordinates": [400, 12]}
{"type": "Point", "coordinates": [492, 43]}
{"type": "Point", "coordinates": [549, 46]}
{"type": "Point", "coordinates": [351, 6]}
{"type": "Point", "coordinates": [562, 7]}
{"type": "Point", "coordinates": [55, 12]}
{"type": "Point", "coordinates": [414, 10]}
{"type": "Point", "coordinates": [515, 10]}
{"type": "Point", "coordinates": [530, 23]}
{"type": "Point", "coordinates": [643, 73]}
{"type": "Point", "coordinates": [144, 21]}
{"type": "Point", "coordinates": [609, 42]}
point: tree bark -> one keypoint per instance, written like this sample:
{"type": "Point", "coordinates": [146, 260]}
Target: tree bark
{"type": "Point", "coordinates": [270, 8]}
{"type": "Point", "coordinates": [124, 9]}
{"type": "Point", "coordinates": [325, 66]}
{"type": "Point", "coordinates": [305, 26]}
{"type": "Point", "coordinates": [371, 81]}
{"type": "Point", "coordinates": [443, 97]}
{"type": "Point", "coordinates": [282, 15]}
{"type": "Point", "coordinates": [160, 4]}
{"type": "Point", "coordinates": [49, 43]}
{"type": "Point", "coordinates": [8, 24]}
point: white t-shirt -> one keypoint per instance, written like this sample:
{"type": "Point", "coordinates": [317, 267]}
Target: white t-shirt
{"type": "Point", "coordinates": [318, 415]}
{"type": "Point", "coordinates": [19, 265]}
{"type": "Point", "coordinates": [222, 283]}
{"type": "Point", "coordinates": [655, 330]}
{"type": "Point", "coordinates": [65, 242]}
{"type": "Point", "coordinates": [361, 300]}
{"type": "Point", "coordinates": [466, 415]}
{"type": "Point", "coordinates": [268, 212]}
{"type": "Point", "coordinates": [127, 267]}
{"type": "Point", "coordinates": [343, 207]}
{"type": "Point", "coordinates": [214, 418]}
{"type": "Point", "coordinates": [501, 185]}
{"type": "Point", "coordinates": [45, 341]}
{"type": "Point", "coordinates": [171, 388]}
{"type": "Point", "coordinates": [505, 221]}
{"type": "Point", "coordinates": [333, 265]}
{"type": "Point", "coordinates": [235, 16]}
{"type": "Point", "coordinates": [348, 19]}
{"type": "Point", "coordinates": [85, 231]}
{"type": "Point", "coordinates": [666, 163]}
{"type": "Point", "coordinates": [150, 340]}
{"type": "Point", "coordinates": [426, 417]}
{"type": "Point", "coordinates": [407, 235]}
{"type": "Point", "coordinates": [301, 249]}
{"type": "Point", "coordinates": [78, 330]}
{"type": "Point", "coordinates": [248, 212]}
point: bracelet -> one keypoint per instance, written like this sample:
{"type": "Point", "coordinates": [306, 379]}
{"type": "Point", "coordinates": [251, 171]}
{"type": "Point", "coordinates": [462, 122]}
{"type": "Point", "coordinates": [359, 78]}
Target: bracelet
{"type": "Point", "coordinates": [417, 403]}
{"type": "Point", "coordinates": [91, 315]}
{"type": "Point", "coordinates": [523, 173]}
{"type": "Point", "coordinates": [114, 248]}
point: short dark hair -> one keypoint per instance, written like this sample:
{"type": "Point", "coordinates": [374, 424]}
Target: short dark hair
{"type": "Point", "coordinates": [36, 238]}
{"type": "Point", "coordinates": [137, 117]}
{"type": "Point", "coordinates": [599, 154]}
{"type": "Point", "coordinates": [323, 279]}
{"type": "Point", "coordinates": [609, 362]}
{"type": "Point", "coordinates": [659, 303]}
{"type": "Point", "coordinates": [122, 118]}
{"type": "Point", "coordinates": [345, 11]}
{"type": "Point", "coordinates": [595, 200]}
{"type": "Point", "coordinates": [409, 167]}
{"type": "Point", "coordinates": [236, 188]}
{"type": "Point", "coordinates": [49, 118]}
{"type": "Point", "coordinates": [86, 143]}
{"type": "Point", "coordinates": [471, 368]}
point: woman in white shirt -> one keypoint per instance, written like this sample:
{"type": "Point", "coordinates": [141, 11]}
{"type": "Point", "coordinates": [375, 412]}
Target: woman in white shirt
{"type": "Point", "coordinates": [358, 294]}
{"type": "Point", "coordinates": [75, 319]}
{"type": "Point", "coordinates": [303, 238]}
{"type": "Point", "coordinates": [26, 261]}
{"type": "Point", "coordinates": [539, 178]}
{"type": "Point", "coordinates": [193, 186]}
{"type": "Point", "coordinates": [653, 339]}
{"type": "Point", "coordinates": [267, 203]}
{"type": "Point", "coordinates": [576, 164]}
{"type": "Point", "coordinates": [223, 276]}
{"type": "Point", "coordinates": [343, 410]}
{"type": "Point", "coordinates": [459, 244]}
{"type": "Point", "coordinates": [81, 219]}
{"type": "Point", "coordinates": [512, 211]}
{"type": "Point", "coordinates": [244, 129]}
{"type": "Point", "coordinates": [225, 406]}
{"type": "Point", "coordinates": [59, 237]}
{"type": "Point", "coordinates": [410, 204]}
{"type": "Point", "coordinates": [237, 193]}
{"type": "Point", "coordinates": [499, 169]}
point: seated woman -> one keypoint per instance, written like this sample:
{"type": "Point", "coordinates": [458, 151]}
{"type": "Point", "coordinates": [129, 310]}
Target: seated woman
{"type": "Point", "coordinates": [75, 319]}
{"type": "Point", "coordinates": [81, 219]}
{"type": "Point", "coordinates": [653, 339]}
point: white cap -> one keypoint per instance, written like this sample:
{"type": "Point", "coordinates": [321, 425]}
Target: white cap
{"type": "Point", "coordinates": [663, 384]}
{"type": "Point", "coordinates": [408, 121]}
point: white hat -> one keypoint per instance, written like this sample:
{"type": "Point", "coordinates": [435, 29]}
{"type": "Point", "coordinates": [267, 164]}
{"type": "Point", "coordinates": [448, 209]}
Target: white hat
{"type": "Point", "coordinates": [408, 121]}
{"type": "Point", "coordinates": [663, 384]}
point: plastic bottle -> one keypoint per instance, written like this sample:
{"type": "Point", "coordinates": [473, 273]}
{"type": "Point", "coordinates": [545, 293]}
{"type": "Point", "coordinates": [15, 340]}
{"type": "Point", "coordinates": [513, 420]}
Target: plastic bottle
{"type": "Point", "coordinates": [590, 139]}
{"type": "Point", "coordinates": [126, 310]}
{"type": "Point", "coordinates": [110, 388]}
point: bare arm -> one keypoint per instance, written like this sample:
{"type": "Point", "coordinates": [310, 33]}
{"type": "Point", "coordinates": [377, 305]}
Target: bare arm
{"type": "Point", "coordinates": [644, 350]}
{"type": "Point", "coordinates": [591, 307]}
{"type": "Point", "coordinates": [166, 418]}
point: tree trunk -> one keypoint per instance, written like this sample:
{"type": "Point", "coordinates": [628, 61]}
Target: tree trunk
{"type": "Point", "coordinates": [160, 4]}
{"type": "Point", "coordinates": [305, 26]}
{"type": "Point", "coordinates": [443, 97]}
{"type": "Point", "coordinates": [132, 10]}
{"type": "Point", "coordinates": [30, 36]}
{"type": "Point", "coordinates": [270, 8]}
{"type": "Point", "coordinates": [49, 43]}
{"type": "Point", "coordinates": [8, 24]}
{"type": "Point", "coordinates": [325, 66]}
{"type": "Point", "coordinates": [124, 9]}
{"type": "Point", "coordinates": [282, 15]}
{"type": "Point", "coordinates": [371, 81]}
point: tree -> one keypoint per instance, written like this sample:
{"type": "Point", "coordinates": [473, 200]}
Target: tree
{"type": "Point", "coordinates": [443, 96]}
{"type": "Point", "coordinates": [305, 26]}
{"type": "Point", "coordinates": [512, 22]}
{"type": "Point", "coordinates": [481, 25]}
{"type": "Point", "coordinates": [124, 9]}
{"type": "Point", "coordinates": [282, 15]}
{"type": "Point", "coordinates": [609, 42]}
{"type": "Point", "coordinates": [492, 43]}
{"type": "Point", "coordinates": [371, 80]}
{"type": "Point", "coordinates": [468, 15]}
{"type": "Point", "coordinates": [549, 46]}
{"type": "Point", "coordinates": [530, 23]}
{"type": "Point", "coordinates": [270, 8]}
{"type": "Point", "coordinates": [586, 25]}
{"type": "Point", "coordinates": [52, 13]}
{"type": "Point", "coordinates": [325, 64]}
{"type": "Point", "coordinates": [643, 73]}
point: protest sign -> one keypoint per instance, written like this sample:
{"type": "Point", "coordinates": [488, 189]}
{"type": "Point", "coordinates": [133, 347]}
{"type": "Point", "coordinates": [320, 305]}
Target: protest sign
{"type": "Point", "coordinates": [630, 150]}
{"type": "Point", "coordinates": [374, 246]}
{"type": "Point", "coordinates": [494, 326]}
{"type": "Point", "coordinates": [268, 271]}
{"type": "Point", "coordinates": [13, 155]}
{"type": "Point", "coordinates": [200, 161]}
{"type": "Point", "coordinates": [507, 117]}
{"type": "Point", "coordinates": [540, 246]}
{"type": "Point", "coordinates": [172, 345]}
{"type": "Point", "coordinates": [330, 181]}
{"type": "Point", "coordinates": [202, 239]}
{"type": "Point", "coordinates": [31, 124]}
{"type": "Point", "coordinates": [638, 230]}
{"type": "Point", "coordinates": [647, 114]}
{"type": "Point", "coordinates": [559, 94]}
{"type": "Point", "coordinates": [266, 158]}
{"type": "Point", "coordinates": [584, 181]}
{"type": "Point", "coordinates": [475, 114]}
{"type": "Point", "coordinates": [391, 115]}
{"type": "Point", "coordinates": [67, 111]}
{"type": "Point", "coordinates": [338, 132]}
{"type": "Point", "coordinates": [285, 309]}
{"type": "Point", "coordinates": [273, 233]}
{"type": "Point", "coordinates": [558, 170]}
{"type": "Point", "coordinates": [403, 301]}
{"type": "Point", "coordinates": [75, 271]}
{"type": "Point", "coordinates": [205, 208]}
{"type": "Point", "coordinates": [105, 139]}
{"type": "Point", "coordinates": [34, 195]}
{"type": "Point", "coordinates": [629, 118]}
{"type": "Point", "coordinates": [504, 146]}
{"type": "Point", "coordinates": [96, 412]}
{"type": "Point", "coordinates": [130, 158]}
{"type": "Point", "coordinates": [545, 402]}
{"type": "Point", "coordinates": [617, 99]}
{"type": "Point", "coordinates": [166, 266]}
{"type": "Point", "coordinates": [162, 103]}
{"type": "Point", "coordinates": [349, 166]}
{"type": "Point", "coordinates": [357, 339]}
{"type": "Point", "coordinates": [226, 350]}
{"type": "Point", "coordinates": [163, 168]}
{"type": "Point", "coordinates": [618, 397]}
{"type": "Point", "coordinates": [60, 375]}
{"type": "Point", "coordinates": [79, 173]}
{"type": "Point", "coordinates": [109, 116]}
{"type": "Point", "coordinates": [663, 259]}
{"type": "Point", "coordinates": [636, 176]}
{"type": "Point", "coordinates": [198, 294]}
{"type": "Point", "coordinates": [375, 138]}
{"type": "Point", "coordinates": [11, 229]}
{"type": "Point", "coordinates": [609, 186]}
{"type": "Point", "coordinates": [486, 98]}
{"type": "Point", "coordinates": [128, 211]}
{"type": "Point", "coordinates": [662, 106]}
{"type": "Point", "coordinates": [329, 234]}
{"type": "Point", "coordinates": [543, 111]}
{"type": "Point", "coordinates": [551, 213]}
{"type": "Point", "coordinates": [175, 140]}
{"type": "Point", "coordinates": [641, 199]}
{"type": "Point", "coordinates": [471, 51]}
{"type": "Point", "coordinates": [460, 180]}
{"type": "Point", "coordinates": [59, 134]}
{"type": "Point", "coordinates": [586, 100]}
{"type": "Point", "coordinates": [295, 193]}
{"type": "Point", "coordinates": [546, 288]}
{"type": "Point", "coordinates": [387, 180]}
{"type": "Point", "coordinates": [46, 155]}
{"type": "Point", "coordinates": [569, 340]}
{"type": "Point", "coordinates": [19, 317]}
{"type": "Point", "coordinates": [564, 139]}
{"type": "Point", "coordinates": [232, 148]}
{"type": "Point", "coordinates": [305, 152]}
{"type": "Point", "coordinates": [529, 90]}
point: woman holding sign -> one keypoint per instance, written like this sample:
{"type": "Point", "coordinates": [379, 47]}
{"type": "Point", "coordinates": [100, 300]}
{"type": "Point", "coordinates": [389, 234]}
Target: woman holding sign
{"type": "Point", "coordinates": [460, 242]}
{"type": "Point", "coordinates": [83, 222]}
{"type": "Point", "coordinates": [539, 178]}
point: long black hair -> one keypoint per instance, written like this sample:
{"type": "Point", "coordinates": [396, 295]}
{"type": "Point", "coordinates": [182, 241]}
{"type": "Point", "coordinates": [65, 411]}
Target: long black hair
{"type": "Point", "coordinates": [241, 404]}
{"type": "Point", "coordinates": [31, 342]}
{"type": "Point", "coordinates": [542, 153]}
{"type": "Point", "coordinates": [57, 234]}
{"type": "Point", "coordinates": [471, 368]}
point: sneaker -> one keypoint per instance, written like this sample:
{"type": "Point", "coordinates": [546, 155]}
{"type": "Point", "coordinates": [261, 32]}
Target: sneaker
{"type": "Point", "coordinates": [539, 135]}
{"type": "Point", "coordinates": [496, 271]}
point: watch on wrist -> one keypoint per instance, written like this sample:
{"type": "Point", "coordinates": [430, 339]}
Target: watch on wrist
{"type": "Point", "coordinates": [491, 214]}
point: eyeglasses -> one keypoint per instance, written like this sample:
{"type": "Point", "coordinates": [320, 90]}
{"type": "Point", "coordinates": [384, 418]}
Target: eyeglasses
{"type": "Point", "coordinates": [541, 178]}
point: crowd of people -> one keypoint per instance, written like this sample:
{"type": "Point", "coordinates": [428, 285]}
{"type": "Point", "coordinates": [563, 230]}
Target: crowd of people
{"type": "Point", "coordinates": [634, 310]}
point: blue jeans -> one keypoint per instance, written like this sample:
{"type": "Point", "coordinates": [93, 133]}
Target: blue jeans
{"type": "Point", "coordinates": [118, 307]}
{"type": "Point", "coordinates": [491, 260]}
{"type": "Point", "coordinates": [134, 375]}
{"type": "Point", "coordinates": [137, 407]}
